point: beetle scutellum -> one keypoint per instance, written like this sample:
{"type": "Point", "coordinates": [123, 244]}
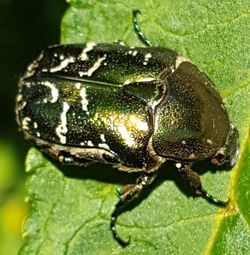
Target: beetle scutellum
{"type": "Point", "coordinates": [132, 107]}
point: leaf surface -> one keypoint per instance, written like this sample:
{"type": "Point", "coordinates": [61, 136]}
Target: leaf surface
{"type": "Point", "coordinates": [71, 215]}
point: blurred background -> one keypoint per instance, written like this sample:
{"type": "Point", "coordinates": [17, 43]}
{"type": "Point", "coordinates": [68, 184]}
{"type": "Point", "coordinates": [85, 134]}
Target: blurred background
{"type": "Point", "coordinates": [26, 27]}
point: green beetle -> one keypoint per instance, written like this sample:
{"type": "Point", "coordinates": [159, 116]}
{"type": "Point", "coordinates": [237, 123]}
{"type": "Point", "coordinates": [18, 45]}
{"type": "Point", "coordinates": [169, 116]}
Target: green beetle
{"type": "Point", "coordinates": [132, 107]}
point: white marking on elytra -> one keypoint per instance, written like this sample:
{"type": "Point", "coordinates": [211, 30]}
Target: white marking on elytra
{"type": "Point", "coordinates": [33, 66]}
{"type": "Point", "coordinates": [178, 165]}
{"type": "Point", "coordinates": [135, 52]}
{"type": "Point", "coordinates": [38, 134]}
{"type": "Point", "coordinates": [132, 52]}
{"type": "Point", "coordinates": [25, 123]}
{"type": "Point", "coordinates": [82, 143]}
{"type": "Point", "coordinates": [103, 146]}
{"type": "Point", "coordinates": [21, 104]}
{"type": "Point", "coordinates": [62, 129]}
{"type": "Point", "coordinates": [78, 85]}
{"type": "Point", "coordinates": [146, 58]}
{"type": "Point", "coordinates": [62, 64]}
{"type": "Point", "coordinates": [172, 68]}
{"type": "Point", "coordinates": [84, 100]}
{"type": "Point", "coordinates": [122, 43]}
{"type": "Point", "coordinates": [143, 79]}
{"type": "Point", "coordinates": [192, 156]}
{"type": "Point", "coordinates": [35, 125]}
{"type": "Point", "coordinates": [89, 46]}
{"type": "Point", "coordinates": [62, 57]}
{"type": "Point", "coordinates": [209, 141]}
{"type": "Point", "coordinates": [19, 98]}
{"type": "Point", "coordinates": [54, 91]}
{"type": "Point", "coordinates": [83, 95]}
{"type": "Point", "coordinates": [89, 143]}
{"type": "Point", "coordinates": [27, 84]}
{"type": "Point", "coordinates": [126, 82]}
{"type": "Point", "coordinates": [40, 57]}
{"type": "Point", "coordinates": [179, 60]}
{"type": "Point", "coordinates": [102, 136]}
{"type": "Point", "coordinates": [96, 65]}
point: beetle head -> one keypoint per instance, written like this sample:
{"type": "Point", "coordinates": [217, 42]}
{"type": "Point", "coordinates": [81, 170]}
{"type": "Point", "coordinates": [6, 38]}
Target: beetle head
{"type": "Point", "coordinates": [227, 154]}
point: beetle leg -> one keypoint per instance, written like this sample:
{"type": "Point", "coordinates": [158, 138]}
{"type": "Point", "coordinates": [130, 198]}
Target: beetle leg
{"type": "Point", "coordinates": [193, 180]}
{"type": "Point", "coordinates": [126, 197]}
{"type": "Point", "coordinates": [138, 31]}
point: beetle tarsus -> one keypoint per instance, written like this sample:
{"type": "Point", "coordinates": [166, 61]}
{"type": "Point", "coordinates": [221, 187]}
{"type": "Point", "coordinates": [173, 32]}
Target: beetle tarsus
{"type": "Point", "coordinates": [213, 200]}
{"type": "Point", "coordinates": [114, 216]}
{"type": "Point", "coordinates": [137, 29]}
{"type": "Point", "coordinates": [126, 197]}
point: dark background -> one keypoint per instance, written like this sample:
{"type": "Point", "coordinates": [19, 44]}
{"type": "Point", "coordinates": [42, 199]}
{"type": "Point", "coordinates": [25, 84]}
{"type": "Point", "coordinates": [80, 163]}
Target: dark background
{"type": "Point", "coordinates": [26, 27]}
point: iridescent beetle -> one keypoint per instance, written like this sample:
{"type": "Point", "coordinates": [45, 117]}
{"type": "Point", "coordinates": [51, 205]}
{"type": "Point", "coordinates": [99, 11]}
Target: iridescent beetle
{"type": "Point", "coordinates": [132, 107]}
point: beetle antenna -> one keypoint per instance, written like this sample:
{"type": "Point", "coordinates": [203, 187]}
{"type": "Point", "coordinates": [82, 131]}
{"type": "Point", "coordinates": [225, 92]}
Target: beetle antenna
{"type": "Point", "coordinates": [137, 29]}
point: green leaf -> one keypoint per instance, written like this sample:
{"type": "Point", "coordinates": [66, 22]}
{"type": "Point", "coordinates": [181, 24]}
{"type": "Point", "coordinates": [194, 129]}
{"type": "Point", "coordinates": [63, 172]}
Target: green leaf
{"type": "Point", "coordinates": [71, 215]}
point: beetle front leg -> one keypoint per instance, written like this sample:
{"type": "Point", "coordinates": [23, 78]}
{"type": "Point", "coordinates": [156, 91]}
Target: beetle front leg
{"type": "Point", "coordinates": [193, 180]}
{"type": "Point", "coordinates": [125, 198]}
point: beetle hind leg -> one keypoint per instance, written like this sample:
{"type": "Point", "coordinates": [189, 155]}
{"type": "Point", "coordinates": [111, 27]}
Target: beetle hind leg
{"type": "Point", "coordinates": [193, 180]}
{"type": "Point", "coordinates": [126, 197]}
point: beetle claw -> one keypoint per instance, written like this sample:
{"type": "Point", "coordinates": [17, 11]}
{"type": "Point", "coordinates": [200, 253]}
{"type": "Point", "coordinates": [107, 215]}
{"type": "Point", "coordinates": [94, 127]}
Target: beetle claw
{"type": "Point", "coordinates": [121, 241]}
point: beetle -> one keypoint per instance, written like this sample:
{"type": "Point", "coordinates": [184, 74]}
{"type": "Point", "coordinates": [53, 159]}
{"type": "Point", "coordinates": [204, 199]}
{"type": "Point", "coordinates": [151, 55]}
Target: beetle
{"type": "Point", "coordinates": [133, 107]}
